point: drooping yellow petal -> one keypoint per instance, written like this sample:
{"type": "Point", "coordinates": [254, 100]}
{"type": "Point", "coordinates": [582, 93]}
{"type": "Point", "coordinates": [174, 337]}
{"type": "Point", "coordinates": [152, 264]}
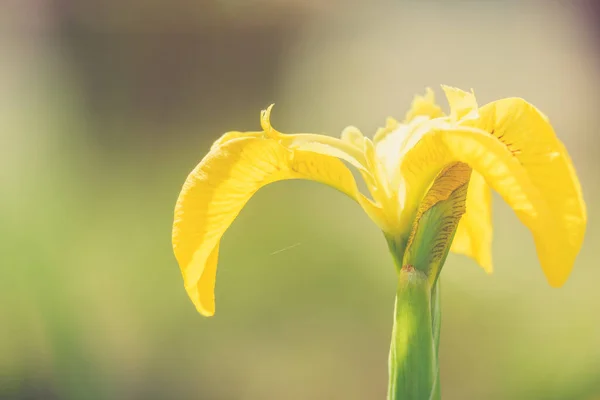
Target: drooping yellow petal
{"type": "Point", "coordinates": [528, 135]}
{"type": "Point", "coordinates": [235, 135]}
{"type": "Point", "coordinates": [523, 191]}
{"type": "Point", "coordinates": [473, 236]}
{"type": "Point", "coordinates": [218, 188]}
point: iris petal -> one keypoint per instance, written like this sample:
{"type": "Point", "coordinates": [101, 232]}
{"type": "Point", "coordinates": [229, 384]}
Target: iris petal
{"type": "Point", "coordinates": [552, 208]}
{"type": "Point", "coordinates": [473, 236]}
{"type": "Point", "coordinates": [214, 193]}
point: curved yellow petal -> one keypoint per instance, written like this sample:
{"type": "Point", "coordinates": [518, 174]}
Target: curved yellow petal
{"type": "Point", "coordinates": [235, 135]}
{"type": "Point", "coordinates": [218, 188]}
{"type": "Point", "coordinates": [528, 135]}
{"type": "Point", "coordinates": [473, 236]}
{"type": "Point", "coordinates": [525, 193]}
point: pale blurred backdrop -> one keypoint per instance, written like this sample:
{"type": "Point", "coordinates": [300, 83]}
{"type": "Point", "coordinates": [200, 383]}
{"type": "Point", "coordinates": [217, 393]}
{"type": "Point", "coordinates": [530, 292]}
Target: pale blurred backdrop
{"type": "Point", "coordinates": [106, 105]}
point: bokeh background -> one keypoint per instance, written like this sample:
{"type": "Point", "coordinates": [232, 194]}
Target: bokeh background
{"type": "Point", "coordinates": [106, 105]}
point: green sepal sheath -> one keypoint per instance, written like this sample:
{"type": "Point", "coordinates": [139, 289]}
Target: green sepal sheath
{"type": "Point", "coordinates": [436, 221]}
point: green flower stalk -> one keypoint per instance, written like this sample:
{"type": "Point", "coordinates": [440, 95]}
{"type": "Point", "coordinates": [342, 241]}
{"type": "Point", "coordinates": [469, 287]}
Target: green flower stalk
{"type": "Point", "coordinates": [428, 178]}
{"type": "Point", "coordinates": [413, 361]}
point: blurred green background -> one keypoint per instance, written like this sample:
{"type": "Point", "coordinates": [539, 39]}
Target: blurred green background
{"type": "Point", "coordinates": [105, 106]}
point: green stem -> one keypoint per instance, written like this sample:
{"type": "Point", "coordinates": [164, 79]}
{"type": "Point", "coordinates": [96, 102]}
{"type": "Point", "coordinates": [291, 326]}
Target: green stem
{"type": "Point", "coordinates": [436, 310]}
{"type": "Point", "coordinates": [413, 364]}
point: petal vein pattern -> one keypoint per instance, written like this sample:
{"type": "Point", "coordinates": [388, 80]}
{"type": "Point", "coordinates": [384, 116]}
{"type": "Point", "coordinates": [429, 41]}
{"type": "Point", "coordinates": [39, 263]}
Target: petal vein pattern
{"type": "Point", "coordinates": [505, 173]}
{"type": "Point", "coordinates": [528, 135]}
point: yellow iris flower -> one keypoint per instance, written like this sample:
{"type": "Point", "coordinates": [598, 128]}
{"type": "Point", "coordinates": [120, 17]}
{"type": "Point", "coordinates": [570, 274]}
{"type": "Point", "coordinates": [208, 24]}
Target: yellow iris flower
{"type": "Point", "coordinates": [507, 145]}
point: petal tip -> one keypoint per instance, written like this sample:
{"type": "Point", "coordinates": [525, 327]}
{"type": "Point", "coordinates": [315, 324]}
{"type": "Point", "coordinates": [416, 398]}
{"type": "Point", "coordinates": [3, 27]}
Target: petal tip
{"type": "Point", "coordinates": [204, 301]}
{"type": "Point", "coordinates": [353, 135]}
{"type": "Point", "coordinates": [488, 269]}
{"type": "Point", "coordinates": [461, 103]}
{"type": "Point", "coordinates": [423, 105]}
{"type": "Point", "coordinates": [429, 95]}
{"type": "Point", "coordinates": [557, 281]}
{"type": "Point", "coordinates": [205, 306]}
{"type": "Point", "coordinates": [265, 119]}
{"type": "Point", "coordinates": [205, 312]}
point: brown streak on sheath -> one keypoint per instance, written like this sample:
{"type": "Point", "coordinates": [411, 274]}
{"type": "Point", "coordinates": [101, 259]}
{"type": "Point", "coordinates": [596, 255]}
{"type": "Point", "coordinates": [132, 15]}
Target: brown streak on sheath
{"type": "Point", "coordinates": [408, 268]}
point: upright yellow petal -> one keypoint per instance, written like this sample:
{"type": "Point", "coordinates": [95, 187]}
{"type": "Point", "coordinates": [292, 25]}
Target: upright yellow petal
{"type": "Point", "coordinates": [473, 236]}
{"type": "Point", "coordinates": [424, 106]}
{"type": "Point", "coordinates": [530, 197]}
{"type": "Point", "coordinates": [218, 188]}
{"type": "Point", "coordinates": [462, 104]}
